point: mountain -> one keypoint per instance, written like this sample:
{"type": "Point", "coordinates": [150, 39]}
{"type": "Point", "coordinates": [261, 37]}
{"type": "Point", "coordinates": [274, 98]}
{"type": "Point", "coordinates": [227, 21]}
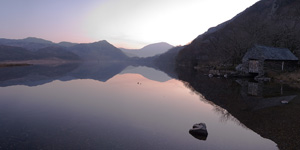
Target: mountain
{"type": "Point", "coordinates": [15, 53]}
{"type": "Point", "coordinates": [56, 52]}
{"type": "Point", "coordinates": [169, 56]}
{"type": "Point", "coordinates": [30, 43]}
{"type": "Point", "coordinates": [273, 23]}
{"type": "Point", "coordinates": [36, 48]}
{"type": "Point", "coordinates": [166, 61]}
{"type": "Point", "coordinates": [66, 44]}
{"type": "Point", "coordinates": [129, 52]}
{"type": "Point", "coordinates": [98, 51]}
{"type": "Point", "coordinates": [149, 50]}
{"type": "Point", "coordinates": [36, 40]}
{"type": "Point", "coordinates": [11, 53]}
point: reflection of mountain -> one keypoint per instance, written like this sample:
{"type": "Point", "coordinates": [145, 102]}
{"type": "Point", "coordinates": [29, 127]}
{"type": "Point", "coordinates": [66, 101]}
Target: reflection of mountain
{"type": "Point", "coordinates": [97, 71]}
{"type": "Point", "coordinates": [33, 75]}
{"type": "Point", "coordinates": [147, 72]}
{"type": "Point", "coordinates": [264, 113]}
{"type": "Point", "coordinates": [37, 75]}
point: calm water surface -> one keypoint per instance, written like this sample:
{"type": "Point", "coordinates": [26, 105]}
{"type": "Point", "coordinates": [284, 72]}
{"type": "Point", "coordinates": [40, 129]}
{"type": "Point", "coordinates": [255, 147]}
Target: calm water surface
{"type": "Point", "coordinates": [127, 111]}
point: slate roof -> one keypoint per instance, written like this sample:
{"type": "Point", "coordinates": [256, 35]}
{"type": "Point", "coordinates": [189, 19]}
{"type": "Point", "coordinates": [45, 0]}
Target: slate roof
{"type": "Point", "coordinates": [269, 53]}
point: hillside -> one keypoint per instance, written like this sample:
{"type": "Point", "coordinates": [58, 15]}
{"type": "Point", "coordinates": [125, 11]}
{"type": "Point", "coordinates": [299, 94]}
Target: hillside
{"type": "Point", "coordinates": [15, 53]}
{"type": "Point", "coordinates": [11, 53]}
{"type": "Point", "coordinates": [166, 61]}
{"type": "Point", "coordinates": [56, 52]}
{"type": "Point", "coordinates": [30, 43]}
{"type": "Point", "coordinates": [169, 56]}
{"type": "Point", "coordinates": [98, 51]}
{"type": "Point", "coordinates": [272, 23]}
{"type": "Point", "coordinates": [36, 48]}
{"type": "Point", "coordinates": [66, 44]}
{"type": "Point", "coordinates": [149, 50]}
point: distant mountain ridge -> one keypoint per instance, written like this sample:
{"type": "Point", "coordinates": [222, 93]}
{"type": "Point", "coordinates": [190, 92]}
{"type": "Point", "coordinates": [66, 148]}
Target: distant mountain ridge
{"type": "Point", "coordinates": [102, 51]}
{"type": "Point", "coordinates": [30, 43]}
{"type": "Point", "coordinates": [35, 48]}
{"type": "Point", "coordinates": [66, 44]}
{"type": "Point", "coordinates": [36, 40]}
{"type": "Point", "coordinates": [11, 53]}
{"type": "Point", "coordinates": [149, 50]}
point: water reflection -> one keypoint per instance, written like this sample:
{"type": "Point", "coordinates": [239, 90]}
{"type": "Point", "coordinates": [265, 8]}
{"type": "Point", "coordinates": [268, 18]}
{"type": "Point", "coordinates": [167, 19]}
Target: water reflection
{"type": "Point", "coordinates": [97, 71]}
{"type": "Point", "coordinates": [149, 73]}
{"type": "Point", "coordinates": [84, 112]}
{"type": "Point", "coordinates": [268, 109]}
{"type": "Point", "coordinates": [71, 109]}
{"type": "Point", "coordinates": [33, 75]}
{"type": "Point", "coordinates": [41, 74]}
{"type": "Point", "coordinates": [259, 95]}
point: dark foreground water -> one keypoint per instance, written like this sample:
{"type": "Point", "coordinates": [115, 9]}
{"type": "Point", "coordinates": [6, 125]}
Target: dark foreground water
{"type": "Point", "coordinates": [138, 108]}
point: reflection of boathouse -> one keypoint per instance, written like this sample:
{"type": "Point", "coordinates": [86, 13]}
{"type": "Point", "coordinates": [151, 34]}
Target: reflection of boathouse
{"type": "Point", "coordinates": [255, 88]}
{"type": "Point", "coordinates": [261, 59]}
{"type": "Point", "coordinates": [258, 95]}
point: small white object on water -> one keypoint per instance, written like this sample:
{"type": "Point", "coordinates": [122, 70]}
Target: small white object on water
{"type": "Point", "coordinates": [284, 102]}
{"type": "Point", "coordinates": [225, 75]}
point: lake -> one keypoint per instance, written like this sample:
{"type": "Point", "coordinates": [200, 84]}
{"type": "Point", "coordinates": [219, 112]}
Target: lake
{"type": "Point", "coordinates": [116, 106]}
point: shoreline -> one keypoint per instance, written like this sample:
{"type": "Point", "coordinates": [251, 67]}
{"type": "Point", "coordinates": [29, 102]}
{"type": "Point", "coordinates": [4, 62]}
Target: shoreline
{"type": "Point", "coordinates": [51, 62]}
{"type": "Point", "coordinates": [14, 65]}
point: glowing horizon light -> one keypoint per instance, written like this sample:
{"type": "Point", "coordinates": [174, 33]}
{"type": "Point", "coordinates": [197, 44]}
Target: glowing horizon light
{"type": "Point", "coordinates": [137, 23]}
{"type": "Point", "coordinates": [123, 23]}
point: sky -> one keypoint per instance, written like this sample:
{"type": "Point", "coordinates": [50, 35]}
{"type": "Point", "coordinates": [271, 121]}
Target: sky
{"type": "Point", "coordinates": [123, 23]}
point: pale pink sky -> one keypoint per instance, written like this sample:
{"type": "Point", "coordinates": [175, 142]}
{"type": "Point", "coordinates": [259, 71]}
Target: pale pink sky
{"type": "Point", "coordinates": [124, 23]}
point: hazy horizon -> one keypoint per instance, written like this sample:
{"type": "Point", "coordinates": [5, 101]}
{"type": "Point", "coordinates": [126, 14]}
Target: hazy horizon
{"type": "Point", "coordinates": [84, 42]}
{"type": "Point", "coordinates": [124, 23]}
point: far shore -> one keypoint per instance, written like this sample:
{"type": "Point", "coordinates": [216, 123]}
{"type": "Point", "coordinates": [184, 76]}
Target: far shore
{"type": "Point", "coordinates": [52, 62]}
{"type": "Point", "coordinates": [13, 65]}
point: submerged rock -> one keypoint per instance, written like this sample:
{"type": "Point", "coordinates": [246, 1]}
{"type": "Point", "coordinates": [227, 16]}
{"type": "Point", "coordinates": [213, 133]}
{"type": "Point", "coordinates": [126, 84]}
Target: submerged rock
{"type": "Point", "coordinates": [199, 131]}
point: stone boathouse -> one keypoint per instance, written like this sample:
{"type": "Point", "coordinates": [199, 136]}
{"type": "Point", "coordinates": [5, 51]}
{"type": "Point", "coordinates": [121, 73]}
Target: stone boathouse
{"type": "Point", "coordinates": [261, 59]}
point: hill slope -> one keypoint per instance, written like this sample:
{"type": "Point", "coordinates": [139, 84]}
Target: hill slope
{"type": "Point", "coordinates": [149, 50]}
{"type": "Point", "coordinates": [11, 53]}
{"type": "Point", "coordinates": [273, 23]}
{"type": "Point", "coordinates": [35, 48]}
{"type": "Point", "coordinates": [100, 51]}
{"type": "Point", "coordinates": [56, 52]}
{"type": "Point", "coordinates": [30, 43]}
{"type": "Point", "coordinates": [15, 53]}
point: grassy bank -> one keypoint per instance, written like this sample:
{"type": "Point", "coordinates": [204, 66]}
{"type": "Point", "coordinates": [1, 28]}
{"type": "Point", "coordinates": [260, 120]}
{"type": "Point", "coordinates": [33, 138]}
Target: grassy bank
{"type": "Point", "coordinates": [290, 78]}
{"type": "Point", "coordinates": [287, 76]}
